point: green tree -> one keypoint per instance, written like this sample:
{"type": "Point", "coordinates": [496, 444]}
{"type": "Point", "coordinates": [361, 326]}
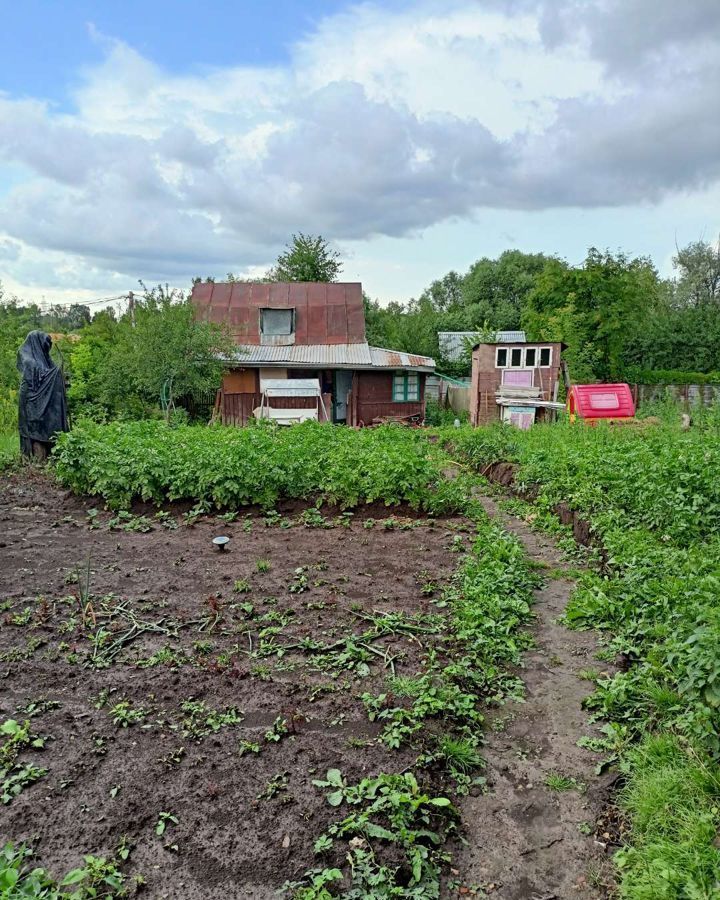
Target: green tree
{"type": "Point", "coordinates": [495, 290]}
{"type": "Point", "coordinates": [698, 266]}
{"type": "Point", "coordinates": [160, 354]}
{"type": "Point", "coordinates": [599, 309]}
{"type": "Point", "coordinates": [307, 258]}
{"type": "Point", "coordinates": [166, 353]}
{"type": "Point", "coordinates": [446, 293]}
{"type": "Point", "coordinates": [87, 359]}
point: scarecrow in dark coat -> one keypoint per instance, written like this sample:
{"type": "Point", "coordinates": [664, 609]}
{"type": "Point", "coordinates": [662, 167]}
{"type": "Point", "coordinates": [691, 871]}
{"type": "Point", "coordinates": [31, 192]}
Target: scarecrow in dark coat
{"type": "Point", "coordinates": [42, 409]}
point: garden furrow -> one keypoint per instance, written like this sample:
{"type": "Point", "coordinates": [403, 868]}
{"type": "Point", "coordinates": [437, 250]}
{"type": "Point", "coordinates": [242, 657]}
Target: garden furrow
{"type": "Point", "coordinates": [532, 835]}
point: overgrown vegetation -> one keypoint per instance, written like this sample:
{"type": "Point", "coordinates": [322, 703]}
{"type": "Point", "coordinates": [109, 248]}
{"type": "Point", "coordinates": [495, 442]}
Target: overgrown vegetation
{"type": "Point", "coordinates": [652, 498]}
{"type": "Point", "coordinates": [617, 316]}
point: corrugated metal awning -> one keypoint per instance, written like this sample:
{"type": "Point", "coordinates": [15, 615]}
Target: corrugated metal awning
{"type": "Point", "coordinates": [304, 356]}
{"type": "Point", "coordinates": [329, 356]}
{"type": "Point", "coordinates": [397, 359]}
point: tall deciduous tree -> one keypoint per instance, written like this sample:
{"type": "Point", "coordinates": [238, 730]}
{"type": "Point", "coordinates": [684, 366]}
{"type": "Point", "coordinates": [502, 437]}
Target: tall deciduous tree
{"type": "Point", "coordinates": [307, 258]}
{"type": "Point", "coordinates": [698, 266]}
{"type": "Point", "coordinates": [495, 290]}
{"type": "Point", "coordinates": [598, 309]}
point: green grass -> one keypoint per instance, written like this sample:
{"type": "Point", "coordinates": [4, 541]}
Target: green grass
{"type": "Point", "coordinates": [557, 782]}
{"type": "Point", "coordinates": [9, 449]}
{"type": "Point", "coordinates": [672, 800]}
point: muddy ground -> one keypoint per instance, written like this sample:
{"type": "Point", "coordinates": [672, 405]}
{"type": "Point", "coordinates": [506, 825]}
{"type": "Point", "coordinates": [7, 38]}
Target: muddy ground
{"type": "Point", "coordinates": [540, 832]}
{"type": "Point", "coordinates": [161, 683]}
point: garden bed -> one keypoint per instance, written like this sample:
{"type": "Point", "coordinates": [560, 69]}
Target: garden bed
{"type": "Point", "coordinates": [199, 693]}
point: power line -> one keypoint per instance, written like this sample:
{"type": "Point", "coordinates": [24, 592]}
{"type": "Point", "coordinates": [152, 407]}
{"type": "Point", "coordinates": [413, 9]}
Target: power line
{"type": "Point", "coordinates": [93, 302]}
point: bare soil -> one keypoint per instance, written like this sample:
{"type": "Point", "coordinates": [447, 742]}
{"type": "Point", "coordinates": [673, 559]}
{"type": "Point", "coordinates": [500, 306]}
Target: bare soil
{"type": "Point", "coordinates": [245, 822]}
{"type": "Point", "coordinates": [525, 840]}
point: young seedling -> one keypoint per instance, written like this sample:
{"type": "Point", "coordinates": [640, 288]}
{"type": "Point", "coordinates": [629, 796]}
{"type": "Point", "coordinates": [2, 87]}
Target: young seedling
{"type": "Point", "coordinates": [173, 758]}
{"type": "Point", "coordinates": [300, 580]}
{"type": "Point", "coordinates": [164, 819]}
{"type": "Point", "coordinates": [248, 747]}
{"type": "Point", "coordinates": [313, 518]}
{"type": "Point", "coordinates": [276, 784]}
{"type": "Point", "coordinates": [262, 565]}
{"type": "Point", "coordinates": [123, 714]}
{"type": "Point", "coordinates": [323, 844]}
{"type": "Point", "coordinates": [278, 730]}
{"type": "Point", "coordinates": [14, 774]}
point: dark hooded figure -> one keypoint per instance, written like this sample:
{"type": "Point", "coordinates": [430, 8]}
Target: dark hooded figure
{"type": "Point", "coordinates": [42, 405]}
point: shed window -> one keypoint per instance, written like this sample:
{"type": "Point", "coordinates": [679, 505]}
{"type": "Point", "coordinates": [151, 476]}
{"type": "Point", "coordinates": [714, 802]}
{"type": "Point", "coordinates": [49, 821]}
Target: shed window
{"type": "Point", "coordinates": [277, 321]}
{"type": "Point", "coordinates": [530, 355]}
{"type": "Point", "coordinates": [516, 355]}
{"type": "Point", "coordinates": [406, 387]}
{"type": "Point", "coordinates": [545, 356]}
{"type": "Point", "coordinates": [501, 357]}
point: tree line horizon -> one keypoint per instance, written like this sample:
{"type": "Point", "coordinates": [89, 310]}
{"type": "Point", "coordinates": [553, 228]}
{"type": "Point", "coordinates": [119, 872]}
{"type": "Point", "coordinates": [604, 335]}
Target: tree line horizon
{"type": "Point", "coordinates": [620, 320]}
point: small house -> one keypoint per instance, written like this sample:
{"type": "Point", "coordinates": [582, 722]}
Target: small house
{"type": "Point", "coordinates": [514, 381]}
{"type": "Point", "coordinates": [287, 332]}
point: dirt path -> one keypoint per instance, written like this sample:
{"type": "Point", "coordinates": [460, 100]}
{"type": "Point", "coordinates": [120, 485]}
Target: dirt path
{"type": "Point", "coordinates": [527, 841]}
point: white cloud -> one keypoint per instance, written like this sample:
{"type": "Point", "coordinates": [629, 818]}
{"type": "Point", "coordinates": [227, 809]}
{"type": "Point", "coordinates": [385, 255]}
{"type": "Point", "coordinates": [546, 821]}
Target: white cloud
{"type": "Point", "coordinates": [382, 124]}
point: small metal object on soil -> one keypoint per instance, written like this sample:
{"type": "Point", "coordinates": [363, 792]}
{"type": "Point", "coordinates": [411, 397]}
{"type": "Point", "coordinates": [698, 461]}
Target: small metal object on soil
{"type": "Point", "coordinates": [221, 541]}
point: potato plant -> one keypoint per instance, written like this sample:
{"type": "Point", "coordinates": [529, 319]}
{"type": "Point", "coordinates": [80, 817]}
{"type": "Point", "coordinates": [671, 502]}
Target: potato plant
{"type": "Point", "coordinates": [232, 467]}
{"type": "Point", "coordinates": [652, 498]}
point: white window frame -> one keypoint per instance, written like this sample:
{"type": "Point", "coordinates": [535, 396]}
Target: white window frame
{"type": "Point", "coordinates": [497, 354]}
{"type": "Point", "coordinates": [406, 397]}
{"type": "Point", "coordinates": [550, 358]}
{"type": "Point", "coordinates": [523, 357]}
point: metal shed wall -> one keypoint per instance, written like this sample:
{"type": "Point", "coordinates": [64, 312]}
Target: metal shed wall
{"type": "Point", "coordinates": [324, 313]}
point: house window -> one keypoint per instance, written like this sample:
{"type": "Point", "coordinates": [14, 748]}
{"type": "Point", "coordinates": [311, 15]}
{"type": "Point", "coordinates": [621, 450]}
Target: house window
{"type": "Point", "coordinates": [522, 357]}
{"type": "Point", "coordinates": [406, 387]}
{"type": "Point", "coordinates": [277, 321]}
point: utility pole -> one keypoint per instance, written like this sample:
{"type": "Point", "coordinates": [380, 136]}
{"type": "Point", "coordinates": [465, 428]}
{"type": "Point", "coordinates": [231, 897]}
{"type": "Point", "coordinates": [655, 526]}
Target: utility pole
{"type": "Point", "coordinates": [131, 307]}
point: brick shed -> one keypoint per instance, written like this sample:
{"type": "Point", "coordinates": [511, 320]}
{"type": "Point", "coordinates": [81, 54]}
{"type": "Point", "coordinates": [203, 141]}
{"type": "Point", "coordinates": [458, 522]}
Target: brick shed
{"type": "Point", "coordinates": [515, 382]}
{"type": "Point", "coordinates": [312, 331]}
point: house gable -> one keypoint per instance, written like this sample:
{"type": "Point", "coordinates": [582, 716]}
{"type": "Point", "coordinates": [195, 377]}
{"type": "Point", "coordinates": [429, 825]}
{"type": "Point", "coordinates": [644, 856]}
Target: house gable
{"type": "Point", "coordinates": [322, 313]}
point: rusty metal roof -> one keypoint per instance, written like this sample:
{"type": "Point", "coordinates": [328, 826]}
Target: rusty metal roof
{"type": "Point", "coordinates": [396, 359]}
{"type": "Point", "coordinates": [331, 356]}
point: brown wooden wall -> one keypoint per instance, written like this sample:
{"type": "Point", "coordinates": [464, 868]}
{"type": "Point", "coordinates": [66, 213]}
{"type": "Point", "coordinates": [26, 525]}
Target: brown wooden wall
{"type": "Point", "coordinates": [371, 398]}
{"type": "Point", "coordinates": [237, 409]}
{"type": "Point", "coordinates": [241, 381]}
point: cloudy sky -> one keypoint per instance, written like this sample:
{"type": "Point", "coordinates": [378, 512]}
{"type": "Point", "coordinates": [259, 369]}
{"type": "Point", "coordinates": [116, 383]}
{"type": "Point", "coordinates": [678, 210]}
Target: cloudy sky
{"type": "Point", "coordinates": [164, 139]}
